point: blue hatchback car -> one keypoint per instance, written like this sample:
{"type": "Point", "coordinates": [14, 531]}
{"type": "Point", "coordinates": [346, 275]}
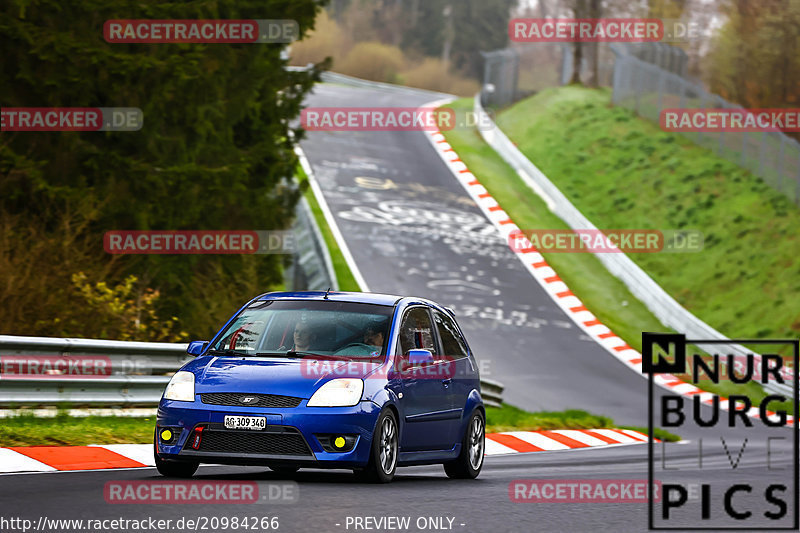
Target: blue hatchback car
{"type": "Point", "coordinates": [362, 381]}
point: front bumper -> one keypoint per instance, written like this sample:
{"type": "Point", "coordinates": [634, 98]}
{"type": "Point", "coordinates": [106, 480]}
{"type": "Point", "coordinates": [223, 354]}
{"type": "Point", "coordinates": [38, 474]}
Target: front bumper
{"type": "Point", "coordinates": [289, 439]}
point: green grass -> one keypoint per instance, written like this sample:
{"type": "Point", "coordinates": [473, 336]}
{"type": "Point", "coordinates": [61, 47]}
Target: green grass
{"type": "Point", "coordinates": [624, 172]}
{"type": "Point", "coordinates": [550, 128]}
{"type": "Point", "coordinates": [343, 274]}
{"type": "Point", "coordinates": [606, 296]}
{"type": "Point", "coordinates": [64, 430]}
{"type": "Point", "coordinates": [510, 418]}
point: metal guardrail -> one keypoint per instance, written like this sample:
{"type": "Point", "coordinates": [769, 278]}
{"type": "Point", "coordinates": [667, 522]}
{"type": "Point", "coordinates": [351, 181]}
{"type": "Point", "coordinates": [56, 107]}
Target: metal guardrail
{"type": "Point", "coordinates": [343, 79]}
{"type": "Point", "coordinates": [128, 373]}
{"type": "Point", "coordinates": [312, 268]}
{"type": "Point", "coordinates": [335, 77]}
{"type": "Point", "coordinates": [106, 391]}
{"type": "Point", "coordinates": [137, 376]}
{"type": "Point", "coordinates": [661, 304]}
{"type": "Point", "coordinates": [492, 392]}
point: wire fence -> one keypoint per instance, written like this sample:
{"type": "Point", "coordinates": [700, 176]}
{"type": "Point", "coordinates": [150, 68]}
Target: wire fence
{"type": "Point", "coordinates": [646, 78]}
{"type": "Point", "coordinates": [647, 89]}
{"type": "Point", "coordinates": [518, 71]}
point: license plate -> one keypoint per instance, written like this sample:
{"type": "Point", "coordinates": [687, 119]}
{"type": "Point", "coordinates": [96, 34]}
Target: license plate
{"type": "Point", "coordinates": [245, 422]}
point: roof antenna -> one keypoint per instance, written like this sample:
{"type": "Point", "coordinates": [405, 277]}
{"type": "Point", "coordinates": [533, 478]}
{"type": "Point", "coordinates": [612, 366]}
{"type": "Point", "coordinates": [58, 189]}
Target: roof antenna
{"type": "Point", "coordinates": [326, 294]}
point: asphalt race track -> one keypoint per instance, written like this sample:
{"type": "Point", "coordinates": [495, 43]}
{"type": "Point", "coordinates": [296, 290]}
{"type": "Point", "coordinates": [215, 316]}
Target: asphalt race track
{"type": "Point", "coordinates": [412, 229]}
{"type": "Point", "coordinates": [423, 235]}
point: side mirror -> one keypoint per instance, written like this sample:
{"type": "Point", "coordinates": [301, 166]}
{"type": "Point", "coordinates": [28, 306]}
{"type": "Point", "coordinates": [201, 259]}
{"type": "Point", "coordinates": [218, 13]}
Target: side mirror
{"type": "Point", "coordinates": [196, 347]}
{"type": "Point", "coordinates": [419, 357]}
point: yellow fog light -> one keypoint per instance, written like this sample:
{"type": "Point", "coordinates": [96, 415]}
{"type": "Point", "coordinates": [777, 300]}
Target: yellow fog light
{"type": "Point", "coordinates": [166, 435]}
{"type": "Point", "coordinates": [339, 442]}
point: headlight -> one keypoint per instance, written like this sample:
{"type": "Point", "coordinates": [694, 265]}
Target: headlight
{"type": "Point", "coordinates": [343, 392]}
{"type": "Point", "coordinates": [180, 387]}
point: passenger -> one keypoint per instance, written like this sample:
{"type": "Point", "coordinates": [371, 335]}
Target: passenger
{"type": "Point", "coordinates": [374, 336]}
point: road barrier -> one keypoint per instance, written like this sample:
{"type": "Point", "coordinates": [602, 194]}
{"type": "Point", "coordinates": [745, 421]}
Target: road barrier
{"type": "Point", "coordinates": [343, 79]}
{"type": "Point", "coordinates": [312, 268]}
{"type": "Point", "coordinates": [131, 374]}
{"type": "Point", "coordinates": [492, 392]}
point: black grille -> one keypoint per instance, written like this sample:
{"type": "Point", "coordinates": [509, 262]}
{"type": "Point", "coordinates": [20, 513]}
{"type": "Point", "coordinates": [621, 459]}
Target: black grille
{"type": "Point", "coordinates": [262, 400]}
{"type": "Point", "coordinates": [287, 442]}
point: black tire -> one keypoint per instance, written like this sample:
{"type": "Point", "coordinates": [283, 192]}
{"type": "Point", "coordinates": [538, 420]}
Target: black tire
{"type": "Point", "coordinates": [473, 446]}
{"type": "Point", "coordinates": [383, 452]}
{"type": "Point", "coordinates": [178, 469]}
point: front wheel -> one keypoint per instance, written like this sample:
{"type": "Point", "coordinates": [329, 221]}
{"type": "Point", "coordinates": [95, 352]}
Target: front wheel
{"type": "Point", "coordinates": [470, 461]}
{"type": "Point", "coordinates": [178, 469]}
{"type": "Point", "coordinates": [383, 455]}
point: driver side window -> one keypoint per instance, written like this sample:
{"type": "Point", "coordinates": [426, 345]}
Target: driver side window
{"type": "Point", "coordinates": [416, 331]}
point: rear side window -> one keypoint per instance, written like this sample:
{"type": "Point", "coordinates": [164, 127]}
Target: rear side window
{"type": "Point", "coordinates": [452, 343]}
{"type": "Point", "coordinates": [416, 331]}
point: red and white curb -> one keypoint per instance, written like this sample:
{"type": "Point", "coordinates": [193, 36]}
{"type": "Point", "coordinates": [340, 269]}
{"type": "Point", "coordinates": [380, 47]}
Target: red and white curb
{"type": "Point", "coordinates": [60, 458]}
{"type": "Point", "coordinates": [553, 284]}
{"type": "Point", "coordinates": [559, 439]}
{"type": "Point", "coordinates": [109, 456]}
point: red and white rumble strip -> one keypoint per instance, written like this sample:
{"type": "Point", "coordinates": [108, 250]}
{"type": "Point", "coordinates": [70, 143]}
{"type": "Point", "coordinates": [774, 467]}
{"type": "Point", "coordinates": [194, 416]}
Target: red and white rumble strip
{"type": "Point", "coordinates": [559, 439]}
{"type": "Point", "coordinates": [552, 283]}
{"type": "Point", "coordinates": [101, 457]}
{"type": "Point", "coordinates": [94, 457]}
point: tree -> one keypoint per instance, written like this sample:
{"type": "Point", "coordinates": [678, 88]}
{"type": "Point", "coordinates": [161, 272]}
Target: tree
{"type": "Point", "coordinates": [755, 59]}
{"type": "Point", "coordinates": [580, 9]}
{"type": "Point", "coordinates": [595, 12]}
{"type": "Point", "coordinates": [215, 152]}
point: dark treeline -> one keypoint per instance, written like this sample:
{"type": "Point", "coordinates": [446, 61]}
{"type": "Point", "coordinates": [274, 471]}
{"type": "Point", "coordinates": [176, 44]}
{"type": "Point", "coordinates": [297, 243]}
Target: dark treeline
{"type": "Point", "coordinates": [454, 30]}
{"type": "Point", "coordinates": [215, 152]}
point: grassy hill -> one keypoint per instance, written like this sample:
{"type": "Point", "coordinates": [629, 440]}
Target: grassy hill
{"type": "Point", "coordinates": [624, 172]}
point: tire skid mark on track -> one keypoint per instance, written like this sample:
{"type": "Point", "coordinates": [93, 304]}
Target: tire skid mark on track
{"type": "Point", "coordinates": [555, 287]}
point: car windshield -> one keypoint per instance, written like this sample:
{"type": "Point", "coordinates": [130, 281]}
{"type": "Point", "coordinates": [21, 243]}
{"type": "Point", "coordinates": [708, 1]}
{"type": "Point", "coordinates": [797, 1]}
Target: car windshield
{"type": "Point", "coordinates": [303, 328]}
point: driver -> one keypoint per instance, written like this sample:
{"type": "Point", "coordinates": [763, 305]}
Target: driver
{"type": "Point", "coordinates": [304, 336]}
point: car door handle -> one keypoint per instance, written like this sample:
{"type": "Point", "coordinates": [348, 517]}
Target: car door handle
{"type": "Point", "coordinates": [447, 381]}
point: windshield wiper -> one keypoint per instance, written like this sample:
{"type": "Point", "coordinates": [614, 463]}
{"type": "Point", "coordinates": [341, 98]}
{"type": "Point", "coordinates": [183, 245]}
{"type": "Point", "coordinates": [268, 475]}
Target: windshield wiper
{"type": "Point", "coordinates": [300, 354]}
{"type": "Point", "coordinates": [295, 353]}
{"type": "Point", "coordinates": [228, 353]}
{"type": "Point", "coordinates": [274, 354]}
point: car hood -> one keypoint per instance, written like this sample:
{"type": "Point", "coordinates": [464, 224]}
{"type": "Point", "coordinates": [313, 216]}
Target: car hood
{"type": "Point", "coordinates": [287, 377]}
